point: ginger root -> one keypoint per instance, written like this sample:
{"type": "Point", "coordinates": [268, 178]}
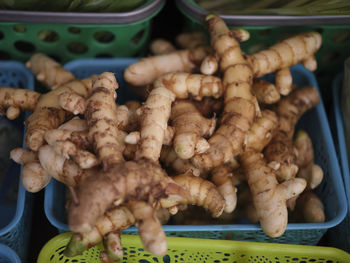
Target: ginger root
{"type": "Point", "coordinates": [13, 101]}
{"type": "Point", "coordinates": [190, 128]}
{"type": "Point", "coordinates": [269, 197]}
{"type": "Point", "coordinates": [48, 71]}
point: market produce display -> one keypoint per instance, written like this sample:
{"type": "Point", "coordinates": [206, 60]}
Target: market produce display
{"type": "Point", "coordinates": [197, 140]}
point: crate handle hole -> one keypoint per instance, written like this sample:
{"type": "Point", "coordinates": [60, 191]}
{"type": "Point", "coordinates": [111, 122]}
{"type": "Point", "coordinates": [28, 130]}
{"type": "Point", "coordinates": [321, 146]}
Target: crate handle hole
{"type": "Point", "coordinates": [77, 48]}
{"type": "Point", "coordinates": [137, 38]}
{"type": "Point", "coordinates": [20, 28]}
{"type": "Point", "coordinates": [341, 36]}
{"type": "Point", "coordinates": [1, 35]}
{"type": "Point", "coordinates": [103, 55]}
{"type": "Point", "coordinates": [330, 57]}
{"type": "Point", "coordinates": [104, 36]}
{"type": "Point", "coordinates": [24, 46]}
{"type": "Point", "coordinates": [74, 30]}
{"type": "Point", "coordinates": [47, 35]}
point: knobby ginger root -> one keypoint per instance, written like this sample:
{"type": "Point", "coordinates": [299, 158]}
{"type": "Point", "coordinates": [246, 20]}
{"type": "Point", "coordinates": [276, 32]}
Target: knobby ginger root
{"type": "Point", "coordinates": [48, 71]}
{"type": "Point", "coordinates": [13, 101]}
{"type": "Point", "coordinates": [280, 152]}
{"type": "Point", "coordinates": [161, 46]}
{"type": "Point", "coordinates": [62, 169]}
{"type": "Point", "coordinates": [49, 115]}
{"type": "Point", "coordinates": [156, 110]}
{"type": "Point", "coordinates": [202, 193]}
{"type": "Point", "coordinates": [170, 159]}
{"type": "Point", "coordinates": [240, 104]}
{"type": "Point", "coordinates": [265, 91]}
{"type": "Point", "coordinates": [190, 128]}
{"type": "Point", "coordinates": [147, 70]}
{"type": "Point", "coordinates": [33, 176]}
{"type": "Point", "coordinates": [286, 53]}
{"type": "Point", "coordinates": [269, 197]}
{"type": "Point", "coordinates": [222, 178]}
{"type": "Point", "coordinates": [113, 248]}
{"type": "Point", "coordinates": [140, 180]}
{"type": "Point", "coordinates": [100, 114]}
{"type": "Point", "coordinates": [115, 219]}
{"type": "Point", "coordinates": [311, 207]}
{"type": "Point", "coordinates": [149, 227]}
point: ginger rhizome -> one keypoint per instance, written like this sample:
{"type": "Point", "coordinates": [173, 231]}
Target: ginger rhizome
{"type": "Point", "coordinates": [14, 101]}
{"type": "Point", "coordinates": [190, 128]}
{"type": "Point", "coordinates": [240, 104]}
{"type": "Point", "coordinates": [269, 197]}
{"type": "Point", "coordinates": [48, 71]}
{"type": "Point", "coordinates": [280, 153]}
{"type": "Point", "coordinates": [100, 114]}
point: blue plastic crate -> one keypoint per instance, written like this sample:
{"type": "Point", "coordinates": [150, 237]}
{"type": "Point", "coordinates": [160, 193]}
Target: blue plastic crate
{"type": "Point", "coordinates": [339, 236]}
{"type": "Point", "coordinates": [8, 255]}
{"type": "Point", "coordinates": [331, 191]}
{"type": "Point", "coordinates": [15, 216]}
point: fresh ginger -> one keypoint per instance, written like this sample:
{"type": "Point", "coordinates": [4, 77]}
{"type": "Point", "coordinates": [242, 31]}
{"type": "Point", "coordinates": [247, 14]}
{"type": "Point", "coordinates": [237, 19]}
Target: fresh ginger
{"type": "Point", "coordinates": [23, 156]}
{"type": "Point", "coordinates": [149, 227]}
{"type": "Point", "coordinates": [113, 248]}
{"type": "Point", "coordinates": [48, 71]}
{"type": "Point", "coordinates": [286, 53]}
{"type": "Point", "coordinates": [147, 70]}
{"type": "Point", "coordinates": [13, 101]}
{"type": "Point", "coordinates": [269, 197]}
{"type": "Point", "coordinates": [115, 219]}
{"type": "Point", "coordinates": [222, 178]}
{"type": "Point", "coordinates": [284, 81]}
{"type": "Point", "coordinates": [265, 91]}
{"type": "Point", "coordinates": [169, 158]}
{"type": "Point", "coordinates": [49, 115]}
{"type": "Point", "coordinates": [161, 46]}
{"type": "Point", "coordinates": [190, 128]}
{"type": "Point", "coordinates": [140, 180]}
{"type": "Point", "coordinates": [280, 152]}
{"type": "Point", "coordinates": [311, 208]}
{"type": "Point", "coordinates": [190, 39]}
{"type": "Point", "coordinates": [157, 108]}
{"type": "Point", "coordinates": [240, 104]}
{"type": "Point", "coordinates": [202, 193]}
{"type": "Point", "coordinates": [100, 114]}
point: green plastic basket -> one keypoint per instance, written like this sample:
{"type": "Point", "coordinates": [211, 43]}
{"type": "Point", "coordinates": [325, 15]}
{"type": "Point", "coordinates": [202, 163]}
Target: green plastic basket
{"type": "Point", "coordinates": [68, 36]}
{"type": "Point", "coordinates": [267, 30]}
{"type": "Point", "coordinates": [200, 250]}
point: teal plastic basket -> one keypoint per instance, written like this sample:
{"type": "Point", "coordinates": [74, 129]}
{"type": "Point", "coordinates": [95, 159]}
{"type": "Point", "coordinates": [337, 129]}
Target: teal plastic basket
{"type": "Point", "coordinates": [331, 191]}
{"type": "Point", "coordinates": [15, 219]}
{"type": "Point", "coordinates": [8, 255]}
{"type": "Point", "coordinates": [339, 236]}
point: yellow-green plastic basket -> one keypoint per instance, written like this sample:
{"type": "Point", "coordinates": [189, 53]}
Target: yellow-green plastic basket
{"type": "Point", "coordinates": [200, 250]}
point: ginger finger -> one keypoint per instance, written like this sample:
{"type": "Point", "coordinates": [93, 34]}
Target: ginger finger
{"type": "Point", "coordinates": [202, 192]}
{"type": "Point", "coordinates": [115, 219]}
{"type": "Point", "coordinates": [23, 156]}
{"type": "Point", "coordinates": [209, 65]}
{"type": "Point", "coordinates": [190, 39]}
{"type": "Point", "coordinates": [13, 100]}
{"type": "Point", "coordinates": [310, 63]}
{"type": "Point", "coordinates": [169, 158]}
{"type": "Point", "coordinates": [269, 197]}
{"type": "Point", "coordinates": [265, 91]}
{"type": "Point", "coordinates": [161, 46]}
{"type": "Point", "coordinates": [34, 177]}
{"type": "Point", "coordinates": [49, 115]}
{"type": "Point", "coordinates": [147, 70]}
{"type": "Point", "coordinates": [149, 227]}
{"type": "Point", "coordinates": [101, 113]}
{"type": "Point", "coordinates": [62, 169]}
{"type": "Point", "coordinates": [157, 108]}
{"type": "Point", "coordinates": [113, 247]}
{"type": "Point", "coordinates": [190, 126]}
{"type": "Point", "coordinates": [48, 71]}
{"type": "Point", "coordinates": [240, 106]}
{"type": "Point", "coordinates": [222, 178]}
{"type": "Point", "coordinates": [284, 81]}
{"type": "Point", "coordinates": [284, 54]}
{"type": "Point", "coordinates": [140, 180]}
{"type": "Point", "coordinates": [312, 207]}
{"type": "Point", "coordinates": [280, 150]}
{"type": "Point", "coordinates": [74, 124]}
{"type": "Point", "coordinates": [72, 102]}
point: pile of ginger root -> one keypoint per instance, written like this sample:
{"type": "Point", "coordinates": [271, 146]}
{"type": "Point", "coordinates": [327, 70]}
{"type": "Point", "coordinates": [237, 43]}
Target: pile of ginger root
{"type": "Point", "coordinates": [210, 133]}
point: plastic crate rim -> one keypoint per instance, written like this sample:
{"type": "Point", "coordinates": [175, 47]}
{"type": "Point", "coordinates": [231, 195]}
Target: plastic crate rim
{"type": "Point", "coordinates": [336, 88]}
{"type": "Point", "coordinates": [9, 253]}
